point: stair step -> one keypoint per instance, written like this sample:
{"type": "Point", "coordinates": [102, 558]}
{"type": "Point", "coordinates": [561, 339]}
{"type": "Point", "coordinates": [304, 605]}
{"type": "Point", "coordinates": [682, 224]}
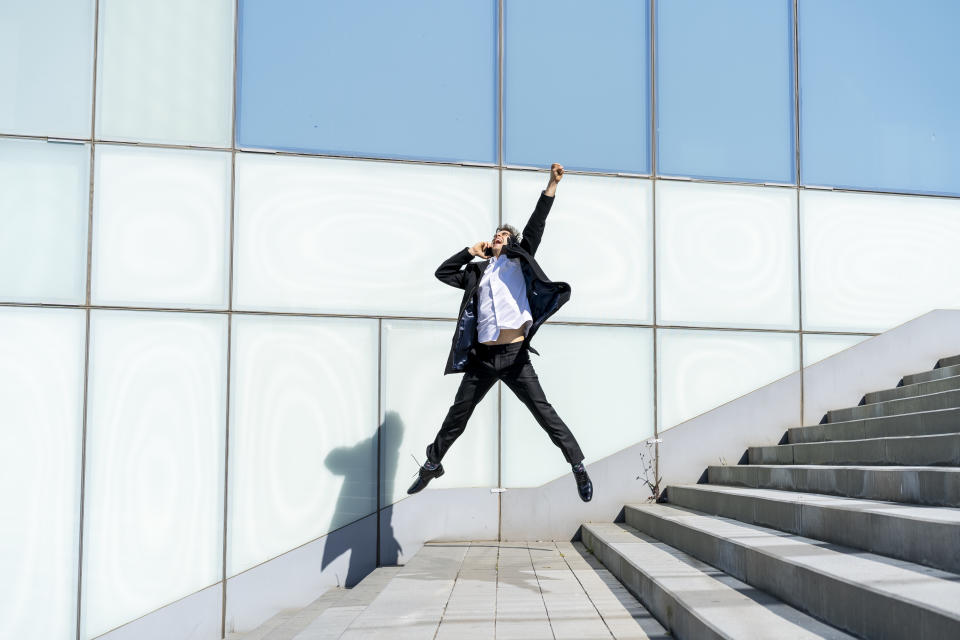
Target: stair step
{"type": "Point", "coordinates": [865, 594]}
{"type": "Point", "coordinates": [908, 424]}
{"type": "Point", "coordinates": [948, 362]}
{"type": "Point", "coordinates": [924, 535]}
{"type": "Point", "coordinates": [913, 390]}
{"type": "Point", "coordinates": [692, 599]}
{"type": "Point", "coordinates": [942, 449]}
{"type": "Point", "coordinates": [936, 486]}
{"type": "Point", "coordinates": [930, 402]}
{"type": "Point", "coordinates": [932, 374]}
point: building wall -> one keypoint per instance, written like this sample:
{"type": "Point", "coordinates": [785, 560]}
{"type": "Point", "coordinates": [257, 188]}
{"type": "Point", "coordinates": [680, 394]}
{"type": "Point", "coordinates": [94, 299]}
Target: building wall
{"type": "Point", "coordinates": [221, 338]}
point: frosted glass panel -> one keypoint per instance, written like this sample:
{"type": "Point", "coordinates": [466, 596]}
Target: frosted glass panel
{"type": "Point", "coordinates": [817, 347]}
{"type": "Point", "coordinates": [725, 96]}
{"type": "Point", "coordinates": [370, 78]}
{"type": "Point", "coordinates": [700, 370]}
{"type": "Point", "coordinates": [161, 227]}
{"type": "Point", "coordinates": [576, 84]}
{"type": "Point", "coordinates": [599, 239]}
{"type": "Point", "coordinates": [153, 511]}
{"type": "Point", "coordinates": [46, 67]}
{"type": "Point", "coordinates": [41, 392]}
{"type": "Point", "coordinates": [44, 199]}
{"type": "Point", "coordinates": [416, 396]}
{"type": "Point", "coordinates": [303, 432]}
{"type": "Point", "coordinates": [600, 381]}
{"type": "Point", "coordinates": [344, 236]}
{"type": "Point", "coordinates": [166, 71]}
{"type": "Point", "coordinates": [878, 82]}
{"type": "Point", "coordinates": [727, 256]}
{"type": "Point", "coordinates": [871, 262]}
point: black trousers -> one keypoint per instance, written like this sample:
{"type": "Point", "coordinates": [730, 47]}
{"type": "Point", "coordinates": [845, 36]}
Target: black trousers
{"type": "Point", "coordinates": [510, 363]}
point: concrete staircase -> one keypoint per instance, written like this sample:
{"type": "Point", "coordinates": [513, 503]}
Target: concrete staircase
{"type": "Point", "coordinates": [849, 528]}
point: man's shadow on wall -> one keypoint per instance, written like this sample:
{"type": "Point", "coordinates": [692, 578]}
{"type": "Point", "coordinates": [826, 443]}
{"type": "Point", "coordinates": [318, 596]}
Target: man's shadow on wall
{"type": "Point", "coordinates": [353, 463]}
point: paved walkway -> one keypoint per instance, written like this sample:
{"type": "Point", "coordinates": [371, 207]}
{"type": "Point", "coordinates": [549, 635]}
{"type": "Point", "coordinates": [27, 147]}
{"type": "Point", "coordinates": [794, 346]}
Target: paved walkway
{"type": "Point", "coordinates": [503, 591]}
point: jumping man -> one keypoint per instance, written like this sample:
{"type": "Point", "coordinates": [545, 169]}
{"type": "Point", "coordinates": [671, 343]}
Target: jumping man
{"type": "Point", "coordinates": [506, 298]}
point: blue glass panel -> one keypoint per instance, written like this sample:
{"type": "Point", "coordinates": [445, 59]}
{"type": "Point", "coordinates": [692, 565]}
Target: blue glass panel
{"type": "Point", "coordinates": [879, 90]}
{"type": "Point", "coordinates": [725, 90]}
{"type": "Point", "coordinates": [576, 84]}
{"type": "Point", "coordinates": [415, 79]}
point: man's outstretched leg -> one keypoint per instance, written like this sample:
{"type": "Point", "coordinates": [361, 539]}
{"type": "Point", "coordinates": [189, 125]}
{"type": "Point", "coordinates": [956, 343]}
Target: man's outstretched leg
{"type": "Point", "coordinates": [476, 381]}
{"type": "Point", "coordinates": [523, 381]}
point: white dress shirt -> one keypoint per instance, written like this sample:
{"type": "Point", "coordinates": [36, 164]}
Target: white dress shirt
{"type": "Point", "coordinates": [502, 299]}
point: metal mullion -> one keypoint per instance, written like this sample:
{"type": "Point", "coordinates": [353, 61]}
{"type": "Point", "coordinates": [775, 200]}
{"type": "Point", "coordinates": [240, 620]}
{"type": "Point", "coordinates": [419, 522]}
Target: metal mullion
{"type": "Point", "coordinates": [653, 222]}
{"type": "Point", "coordinates": [230, 269]}
{"type": "Point", "coordinates": [796, 142]}
{"type": "Point", "coordinates": [87, 314]}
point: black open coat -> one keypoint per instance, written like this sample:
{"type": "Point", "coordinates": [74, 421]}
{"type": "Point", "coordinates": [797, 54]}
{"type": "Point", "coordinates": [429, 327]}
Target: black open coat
{"type": "Point", "coordinates": [544, 296]}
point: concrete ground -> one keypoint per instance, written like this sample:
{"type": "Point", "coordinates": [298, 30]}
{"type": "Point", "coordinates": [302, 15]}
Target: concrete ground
{"type": "Point", "coordinates": [503, 590]}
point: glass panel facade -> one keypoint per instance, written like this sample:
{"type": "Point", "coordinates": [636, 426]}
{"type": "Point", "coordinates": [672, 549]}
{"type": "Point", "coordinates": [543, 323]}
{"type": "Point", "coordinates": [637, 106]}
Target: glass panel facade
{"type": "Point", "coordinates": [195, 220]}
{"type": "Point", "coordinates": [370, 78]}
{"type": "Point", "coordinates": [41, 392]}
{"type": "Point", "coordinates": [725, 90]}
{"type": "Point", "coordinates": [863, 256]}
{"type": "Point", "coordinates": [599, 239]}
{"type": "Point", "coordinates": [699, 370]}
{"type": "Point", "coordinates": [416, 396]}
{"type": "Point", "coordinates": [303, 432]}
{"type": "Point", "coordinates": [577, 84]}
{"type": "Point", "coordinates": [156, 422]}
{"type": "Point", "coordinates": [818, 347]}
{"type": "Point", "coordinates": [600, 381]}
{"type": "Point", "coordinates": [878, 95]}
{"type": "Point", "coordinates": [729, 258]}
{"type": "Point", "coordinates": [161, 227]}
{"type": "Point", "coordinates": [344, 236]}
{"type": "Point", "coordinates": [165, 71]}
{"type": "Point", "coordinates": [44, 198]}
{"type": "Point", "coordinates": [46, 67]}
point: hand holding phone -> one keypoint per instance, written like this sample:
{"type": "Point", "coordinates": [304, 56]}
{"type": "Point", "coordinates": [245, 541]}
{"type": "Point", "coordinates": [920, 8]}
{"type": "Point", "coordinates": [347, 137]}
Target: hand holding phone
{"type": "Point", "coordinates": [481, 249]}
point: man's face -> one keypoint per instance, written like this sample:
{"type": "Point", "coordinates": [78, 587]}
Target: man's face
{"type": "Point", "coordinates": [500, 239]}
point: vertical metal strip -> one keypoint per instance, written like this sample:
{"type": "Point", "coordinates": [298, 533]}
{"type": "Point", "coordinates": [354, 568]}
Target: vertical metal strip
{"type": "Point", "coordinates": [652, 30]}
{"type": "Point", "coordinates": [500, 117]}
{"type": "Point", "coordinates": [83, 467]}
{"type": "Point", "coordinates": [226, 432]}
{"type": "Point", "coordinates": [380, 423]}
{"type": "Point", "coordinates": [796, 143]}
{"type": "Point", "coordinates": [87, 298]}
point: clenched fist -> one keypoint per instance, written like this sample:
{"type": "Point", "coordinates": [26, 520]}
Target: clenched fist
{"type": "Point", "coordinates": [556, 173]}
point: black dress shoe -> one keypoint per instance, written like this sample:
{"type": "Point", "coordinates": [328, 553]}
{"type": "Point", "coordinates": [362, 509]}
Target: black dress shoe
{"type": "Point", "coordinates": [584, 486]}
{"type": "Point", "coordinates": [424, 477]}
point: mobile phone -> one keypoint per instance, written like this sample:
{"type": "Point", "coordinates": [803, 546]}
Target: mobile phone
{"type": "Point", "coordinates": [488, 252]}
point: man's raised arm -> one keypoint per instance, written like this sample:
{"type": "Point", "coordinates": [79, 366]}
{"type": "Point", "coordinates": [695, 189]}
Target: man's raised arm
{"type": "Point", "coordinates": [533, 231]}
{"type": "Point", "coordinates": [451, 271]}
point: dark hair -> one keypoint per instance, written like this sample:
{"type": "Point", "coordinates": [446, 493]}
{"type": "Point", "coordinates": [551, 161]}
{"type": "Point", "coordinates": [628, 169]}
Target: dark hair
{"type": "Point", "coordinates": [509, 229]}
